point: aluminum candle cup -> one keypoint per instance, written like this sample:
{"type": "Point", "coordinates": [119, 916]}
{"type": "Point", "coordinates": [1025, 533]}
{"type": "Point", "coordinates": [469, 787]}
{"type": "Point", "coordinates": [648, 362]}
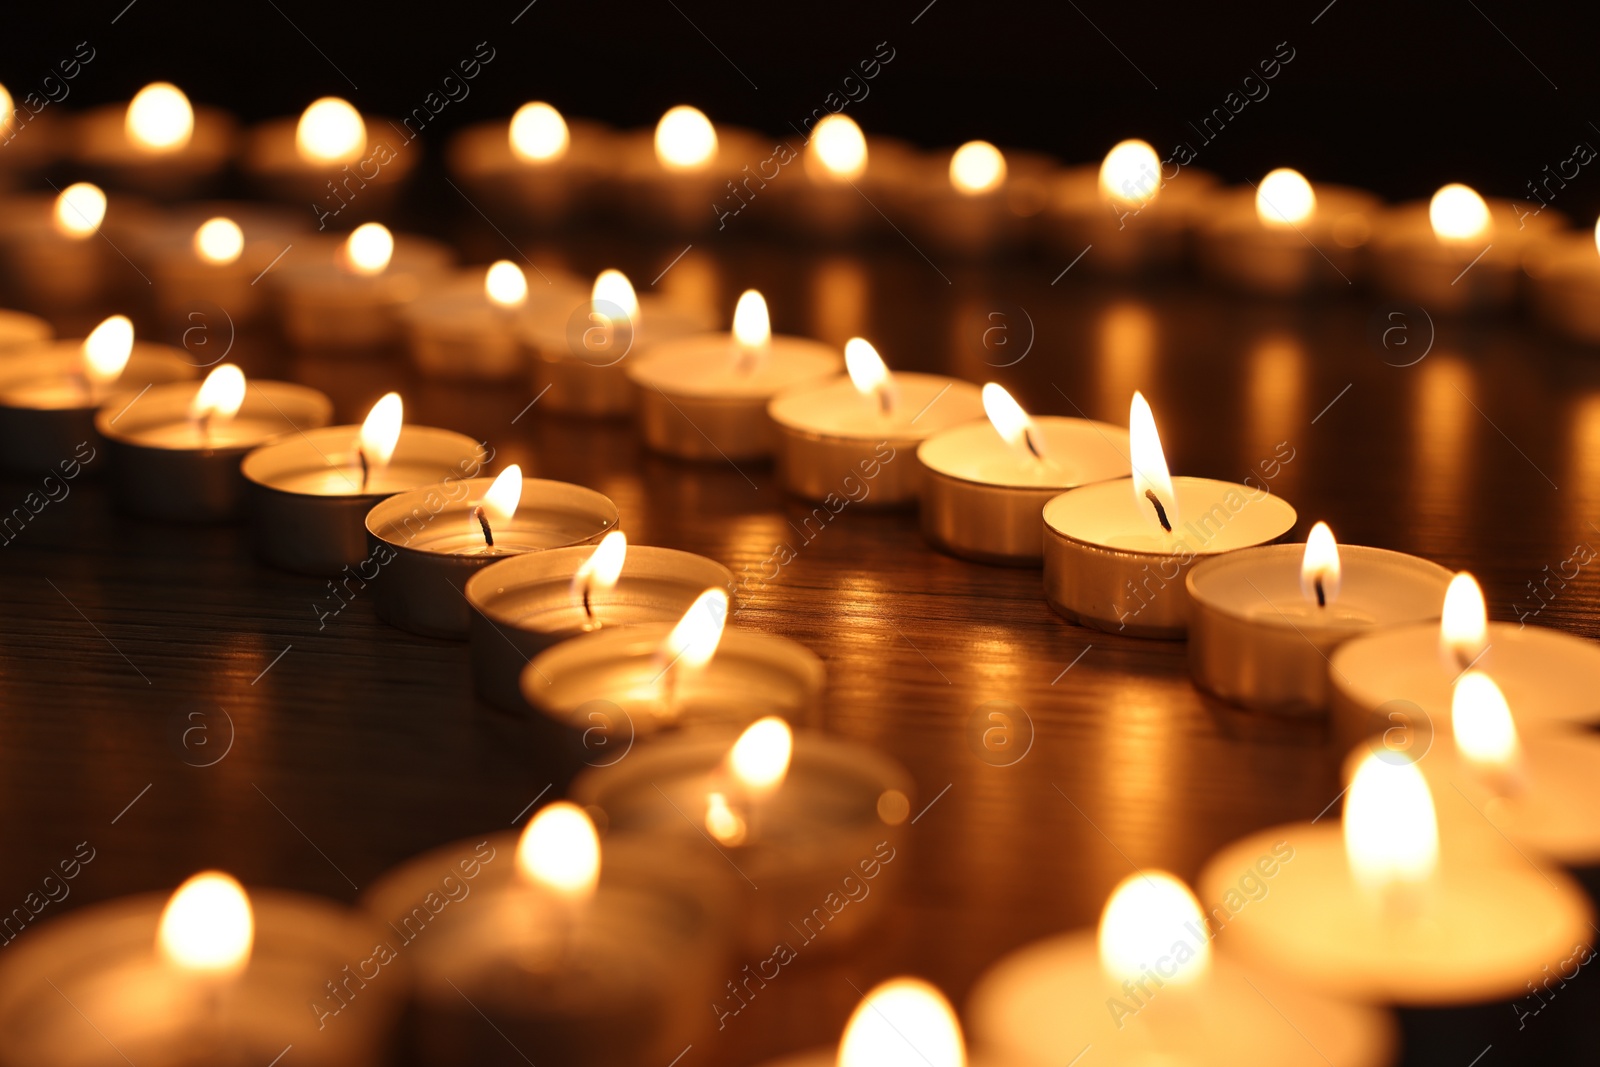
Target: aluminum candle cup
{"type": "Point", "coordinates": [689, 199]}
{"type": "Point", "coordinates": [18, 329]}
{"type": "Point", "coordinates": [545, 193]}
{"type": "Point", "coordinates": [981, 498]}
{"type": "Point", "coordinates": [89, 989]}
{"type": "Point", "coordinates": [325, 305]}
{"type": "Point", "coordinates": [46, 410]}
{"type": "Point", "coordinates": [1124, 238]}
{"type": "Point", "coordinates": [362, 187]}
{"type": "Point", "coordinates": [1408, 261]}
{"type": "Point", "coordinates": [621, 673]}
{"type": "Point", "coordinates": [696, 400]}
{"type": "Point", "coordinates": [831, 206]}
{"type": "Point", "coordinates": [165, 465]}
{"type": "Point", "coordinates": [1255, 640]}
{"type": "Point", "coordinates": [1319, 252]}
{"type": "Point", "coordinates": [429, 537]}
{"type": "Point", "coordinates": [579, 365]}
{"type": "Point", "coordinates": [186, 282]}
{"type": "Point", "coordinates": [833, 830]}
{"type": "Point", "coordinates": [104, 145]}
{"type": "Point", "coordinates": [458, 332]}
{"type": "Point", "coordinates": [623, 977]}
{"type": "Point", "coordinates": [830, 435]}
{"type": "Point", "coordinates": [307, 504]}
{"type": "Point", "coordinates": [1106, 564]}
{"type": "Point", "coordinates": [982, 221]}
{"type": "Point", "coordinates": [524, 605]}
{"type": "Point", "coordinates": [1565, 286]}
{"type": "Point", "coordinates": [53, 270]}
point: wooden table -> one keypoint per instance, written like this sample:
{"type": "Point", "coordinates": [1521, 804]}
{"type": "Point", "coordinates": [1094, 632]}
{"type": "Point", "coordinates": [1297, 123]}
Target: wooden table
{"type": "Point", "coordinates": [175, 704]}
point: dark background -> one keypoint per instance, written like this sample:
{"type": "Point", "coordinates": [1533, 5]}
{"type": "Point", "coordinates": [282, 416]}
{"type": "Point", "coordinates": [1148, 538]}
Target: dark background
{"type": "Point", "coordinates": [1399, 98]}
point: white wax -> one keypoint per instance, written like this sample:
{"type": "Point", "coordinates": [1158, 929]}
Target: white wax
{"type": "Point", "coordinates": [561, 328]}
{"type": "Point", "coordinates": [220, 433]}
{"type": "Point", "coordinates": [18, 329]}
{"type": "Point", "coordinates": [924, 404]}
{"type": "Point", "coordinates": [51, 376]}
{"type": "Point", "coordinates": [1212, 516]}
{"type": "Point", "coordinates": [1078, 451]}
{"type": "Point", "coordinates": [712, 365]}
{"type": "Point", "coordinates": [342, 477]}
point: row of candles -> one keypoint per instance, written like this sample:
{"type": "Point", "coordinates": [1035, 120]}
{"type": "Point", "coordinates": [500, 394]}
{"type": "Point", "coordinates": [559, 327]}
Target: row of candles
{"type": "Point", "coordinates": [1413, 901]}
{"type": "Point", "coordinates": [1282, 236]}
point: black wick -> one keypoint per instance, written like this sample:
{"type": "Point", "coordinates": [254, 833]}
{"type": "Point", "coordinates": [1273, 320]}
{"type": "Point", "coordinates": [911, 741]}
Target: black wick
{"type": "Point", "coordinates": [1161, 512]}
{"type": "Point", "coordinates": [885, 401]}
{"type": "Point", "coordinates": [366, 467]}
{"type": "Point", "coordinates": [1038, 453]}
{"type": "Point", "coordinates": [1322, 596]}
{"type": "Point", "coordinates": [483, 523]}
{"type": "Point", "coordinates": [588, 584]}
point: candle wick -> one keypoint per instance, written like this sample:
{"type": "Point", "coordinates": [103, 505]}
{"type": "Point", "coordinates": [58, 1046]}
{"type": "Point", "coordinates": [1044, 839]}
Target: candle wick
{"type": "Point", "coordinates": [205, 427]}
{"type": "Point", "coordinates": [1161, 512]}
{"type": "Point", "coordinates": [1322, 595]}
{"type": "Point", "coordinates": [488, 534]}
{"type": "Point", "coordinates": [885, 401]}
{"type": "Point", "coordinates": [1034, 445]}
{"type": "Point", "coordinates": [588, 609]}
{"type": "Point", "coordinates": [366, 467]}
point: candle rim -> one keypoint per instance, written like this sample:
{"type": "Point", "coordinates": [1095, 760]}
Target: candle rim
{"type": "Point", "coordinates": [500, 580]}
{"type": "Point", "coordinates": [343, 439]}
{"type": "Point", "coordinates": [975, 427]}
{"type": "Point", "coordinates": [536, 501]}
{"type": "Point", "coordinates": [1287, 511]}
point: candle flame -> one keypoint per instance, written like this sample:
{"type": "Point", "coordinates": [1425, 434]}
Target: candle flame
{"type": "Point", "coordinates": [1464, 622]}
{"type": "Point", "coordinates": [1130, 177]}
{"type": "Point", "coordinates": [220, 395]}
{"type": "Point", "coordinates": [722, 822]}
{"type": "Point", "coordinates": [560, 851]}
{"type": "Point", "coordinates": [1597, 234]}
{"type": "Point", "coordinates": [600, 571]}
{"type": "Point", "coordinates": [977, 167]}
{"type": "Point", "coordinates": [330, 131]}
{"type": "Point", "coordinates": [1285, 199]}
{"type": "Point", "coordinates": [106, 350]}
{"type": "Point", "coordinates": [1146, 916]}
{"type": "Point", "coordinates": [760, 758]}
{"type": "Point", "coordinates": [380, 433]}
{"type": "Point", "coordinates": [904, 1022]}
{"type": "Point", "coordinates": [1152, 483]}
{"type": "Point", "coordinates": [7, 109]}
{"type": "Point", "coordinates": [1319, 567]}
{"type": "Point", "coordinates": [1458, 214]}
{"type": "Point", "coordinates": [500, 500]}
{"type": "Point", "coordinates": [219, 241]}
{"type": "Point", "coordinates": [869, 373]}
{"type": "Point", "coordinates": [1481, 720]}
{"type": "Point", "coordinates": [613, 287]}
{"type": "Point", "coordinates": [694, 640]}
{"type": "Point", "coordinates": [207, 926]}
{"type": "Point", "coordinates": [837, 143]}
{"type": "Point", "coordinates": [160, 118]}
{"type": "Point", "coordinates": [80, 209]}
{"type": "Point", "coordinates": [1012, 422]}
{"type": "Point", "coordinates": [752, 326]}
{"type": "Point", "coordinates": [1391, 836]}
{"type": "Point", "coordinates": [505, 285]}
{"type": "Point", "coordinates": [685, 139]}
{"type": "Point", "coordinates": [368, 249]}
{"type": "Point", "coordinates": [539, 133]}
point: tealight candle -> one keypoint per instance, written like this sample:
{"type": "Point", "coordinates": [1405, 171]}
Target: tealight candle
{"type": "Point", "coordinates": [55, 253]}
{"type": "Point", "coordinates": [780, 825]}
{"type": "Point", "coordinates": [472, 329]}
{"type": "Point", "coordinates": [826, 199]}
{"type": "Point", "coordinates": [1147, 987]}
{"type": "Point", "coordinates": [49, 393]}
{"type": "Point", "coordinates": [1127, 214]}
{"type": "Point", "coordinates": [524, 605]}
{"type": "Point", "coordinates": [1264, 620]}
{"type": "Point", "coordinates": [217, 262]}
{"type": "Point", "coordinates": [328, 158]}
{"type": "Point", "coordinates": [675, 177]}
{"type": "Point", "coordinates": [986, 483]}
{"type": "Point", "coordinates": [1565, 283]}
{"type": "Point", "coordinates": [347, 294]}
{"type": "Point", "coordinates": [1455, 252]}
{"type": "Point", "coordinates": [208, 975]}
{"type": "Point", "coordinates": [45, 135]}
{"type": "Point", "coordinates": [309, 494]}
{"type": "Point", "coordinates": [1402, 676]}
{"type": "Point", "coordinates": [692, 675]}
{"type": "Point", "coordinates": [978, 200]}
{"type": "Point", "coordinates": [578, 350]}
{"type": "Point", "coordinates": [705, 396]}
{"type": "Point", "coordinates": [1115, 551]}
{"type": "Point", "coordinates": [1285, 236]}
{"type": "Point", "coordinates": [853, 427]}
{"type": "Point", "coordinates": [175, 449]}
{"type": "Point", "coordinates": [1383, 910]}
{"type": "Point", "coordinates": [442, 535]}
{"type": "Point", "coordinates": [18, 329]}
{"type": "Point", "coordinates": [904, 1022]}
{"type": "Point", "coordinates": [536, 168]}
{"type": "Point", "coordinates": [565, 957]}
{"type": "Point", "coordinates": [157, 143]}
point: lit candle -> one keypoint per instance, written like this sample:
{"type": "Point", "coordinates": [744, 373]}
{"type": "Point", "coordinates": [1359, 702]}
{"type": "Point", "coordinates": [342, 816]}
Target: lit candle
{"type": "Point", "coordinates": [772, 823]}
{"type": "Point", "coordinates": [978, 200]}
{"type": "Point", "coordinates": [1146, 987]}
{"type": "Point", "coordinates": [1285, 236]}
{"type": "Point", "coordinates": [1401, 676]}
{"type": "Point", "coordinates": [214, 262]}
{"type": "Point", "coordinates": [1132, 212]}
{"type": "Point", "coordinates": [441, 536]}
{"type": "Point", "coordinates": [157, 143]}
{"type": "Point", "coordinates": [705, 396]}
{"type": "Point", "coordinates": [541, 936]}
{"type": "Point", "coordinates": [55, 254]}
{"type": "Point", "coordinates": [524, 605]}
{"type": "Point", "coordinates": [904, 1022]}
{"type": "Point", "coordinates": [987, 482]}
{"type": "Point", "coordinates": [840, 434]}
{"type": "Point", "coordinates": [1264, 620]}
{"type": "Point", "coordinates": [675, 176]}
{"type": "Point", "coordinates": [1115, 552]}
{"type": "Point", "coordinates": [1384, 910]}
{"type": "Point", "coordinates": [328, 156]}
{"type": "Point", "coordinates": [18, 330]}
{"type": "Point", "coordinates": [535, 168]}
{"type": "Point", "coordinates": [209, 974]}
{"type": "Point", "coordinates": [471, 328]}
{"type": "Point", "coordinates": [309, 494]}
{"type": "Point", "coordinates": [175, 449]}
{"type": "Point", "coordinates": [49, 392]}
{"type": "Point", "coordinates": [580, 348]}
